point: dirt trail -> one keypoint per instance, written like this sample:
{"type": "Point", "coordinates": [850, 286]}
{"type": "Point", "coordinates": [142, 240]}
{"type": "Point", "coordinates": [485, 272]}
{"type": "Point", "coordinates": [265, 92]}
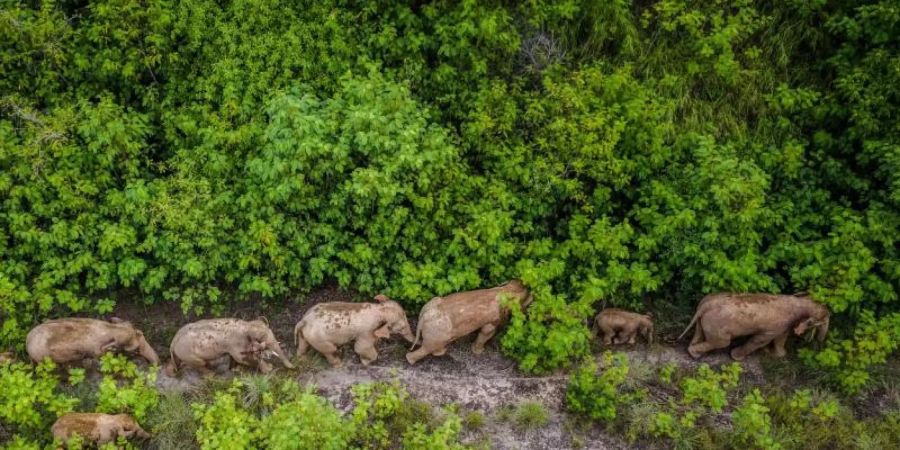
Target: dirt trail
{"type": "Point", "coordinates": [488, 383]}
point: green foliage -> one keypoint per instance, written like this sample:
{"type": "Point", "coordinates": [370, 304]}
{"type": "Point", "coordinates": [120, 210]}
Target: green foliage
{"type": "Point", "coordinates": [530, 415]}
{"type": "Point", "coordinates": [306, 422]}
{"type": "Point", "coordinates": [224, 424]}
{"type": "Point", "coordinates": [628, 153]}
{"type": "Point", "coordinates": [125, 390]}
{"type": "Point", "coordinates": [599, 397]}
{"type": "Point", "coordinates": [752, 423]}
{"type": "Point", "coordinates": [29, 401]}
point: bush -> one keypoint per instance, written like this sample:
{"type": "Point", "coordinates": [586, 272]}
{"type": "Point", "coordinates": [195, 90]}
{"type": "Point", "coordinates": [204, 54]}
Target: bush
{"type": "Point", "coordinates": [599, 397]}
{"type": "Point", "coordinates": [29, 401]}
{"type": "Point", "coordinates": [530, 415]}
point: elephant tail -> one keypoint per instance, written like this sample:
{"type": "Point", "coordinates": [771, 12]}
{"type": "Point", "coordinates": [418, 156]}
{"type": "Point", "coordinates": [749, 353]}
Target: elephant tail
{"type": "Point", "coordinates": [595, 329]}
{"type": "Point", "coordinates": [693, 321]}
{"type": "Point", "coordinates": [299, 340]}
{"type": "Point", "coordinates": [418, 329]}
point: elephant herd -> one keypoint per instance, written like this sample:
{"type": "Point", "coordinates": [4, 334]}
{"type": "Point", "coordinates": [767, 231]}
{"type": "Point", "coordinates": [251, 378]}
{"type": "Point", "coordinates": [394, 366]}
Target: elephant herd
{"type": "Point", "coordinates": [211, 345]}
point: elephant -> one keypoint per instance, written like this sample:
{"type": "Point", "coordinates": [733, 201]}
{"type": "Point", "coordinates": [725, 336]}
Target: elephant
{"type": "Point", "coordinates": [207, 344]}
{"type": "Point", "coordinates": [74, 339]}
{"type": "Point", "coordinates": [446, 319]}
{"type": "Point", "coordinates": [96, 428]}
{"type": "Point", "coordinates": [327, 326]}
{"type": "Point", "coordinates": [767, 318]}
{"type": "Point", "coordinates": [620, 326]}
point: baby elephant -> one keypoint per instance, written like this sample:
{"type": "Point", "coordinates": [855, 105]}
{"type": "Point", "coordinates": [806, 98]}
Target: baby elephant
{"type": "Point", "coordinates": [327, 326]}
{"type": "Point", "coordinates": [620, 326]}
{"type": "Point", "coordinates": [96, 428]}
{"type": "Point", "coordinates": [206, 344]}
{"type": "Point", "coordinates": [446, 319]}
{"type": "Point", "coordinates": [72, 340]}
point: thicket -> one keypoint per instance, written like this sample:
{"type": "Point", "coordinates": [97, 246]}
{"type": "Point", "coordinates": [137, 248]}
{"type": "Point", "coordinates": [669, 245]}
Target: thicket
{"type": "Point", "coordinates": [625, 153]}
{"type": "Point", "coordinates": [707, 408]}
{"type": "Point", "coordinates": [243, 413]}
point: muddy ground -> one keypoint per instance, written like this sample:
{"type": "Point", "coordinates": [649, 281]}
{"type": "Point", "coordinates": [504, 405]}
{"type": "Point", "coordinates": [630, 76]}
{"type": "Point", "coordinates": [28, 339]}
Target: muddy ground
{"type": "Point", "coordinates": [489, 383]}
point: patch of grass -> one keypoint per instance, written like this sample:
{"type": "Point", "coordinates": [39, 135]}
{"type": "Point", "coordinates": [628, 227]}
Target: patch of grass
{"type": "Point", "coordinates": [504, 413]}
{"type": "Point", "coordinates": [172, 424]}
{"type": "Point", "coordinates": [474, 420]}
{"type": "Point", "coordinates": [531, 414]}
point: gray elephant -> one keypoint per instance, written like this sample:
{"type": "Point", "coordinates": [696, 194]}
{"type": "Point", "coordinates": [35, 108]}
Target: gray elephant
{"type": "Point", "coordinates": [72, 340]}
{"type": "Point", "coordinates": [766, 318]}
{"type": "Point", "coordinates": [327, 326]}
{"type": "Point", "coordinates": [620, 326]}
{"type": "Point", "coordinates": [446, 319]}
{"type": "Point", "coordinates": [96, 428]}
{"type": "Point", "coordinates": [207, 344]}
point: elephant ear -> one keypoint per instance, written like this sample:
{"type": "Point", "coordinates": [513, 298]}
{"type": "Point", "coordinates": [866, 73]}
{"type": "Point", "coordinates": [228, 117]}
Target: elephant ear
{"type": "Point", "coordinates": [381, 298]}
{"type": "Point", "coordinates": [263, 320]}
{"type": "Point", "coordinates": [383, 332]}
{"type": "Point", "coordinates": [116, 320]}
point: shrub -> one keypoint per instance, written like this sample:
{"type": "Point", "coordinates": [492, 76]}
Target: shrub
{"type": "Point", "coordinates": [224, 424]}
{"type": "Point", "coordinates": [124, 389]}
{"type": "Point", "coordinates": [530, 415]}
{"type": "Point", "coordinates": [599, 397]}
{"type": "Point", "coordinates": [306, 422]}
{"type": "Point", "coordinates": [29, 401]}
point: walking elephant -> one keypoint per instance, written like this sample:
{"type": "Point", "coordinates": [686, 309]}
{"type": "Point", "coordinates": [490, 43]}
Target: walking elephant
{"type": "Point", "coordinates": [620, 326]}
{"type": "Point", "coordinates": [96, 428]}
{"type": "Point", "coordinates": [72, 340]}
{"type": "Point", "coordinates": [766, 318]}
{"type": "Point", "coordinates": [327, 326]}
{"type": "Point", "coordinates": [207, 344]}
{"type": "Point", "coordinates": [446, 319]}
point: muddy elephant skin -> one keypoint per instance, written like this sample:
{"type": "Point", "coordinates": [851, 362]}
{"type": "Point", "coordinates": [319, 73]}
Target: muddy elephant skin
{"type": "Point", "coordinates": [327, 326]}
{"type": "Point", "coordinates": [208, 344]}
{"type": "Point", "coordinates": [97, 428]}
{"type": "Point", "coordinates": [766, 318]}
{"type": "Point", "coordinates": [446, 319]}
{"type": "Point", "coordinates": [71, 340]}
{"type": "Point", "coordinates": [620, 326]}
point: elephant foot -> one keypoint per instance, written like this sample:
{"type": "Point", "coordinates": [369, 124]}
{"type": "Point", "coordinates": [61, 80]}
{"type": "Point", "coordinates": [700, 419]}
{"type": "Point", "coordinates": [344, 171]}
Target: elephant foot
{"type": "Point", "coordinates": [440, 352]}
{"type": "Point", "coordinates": [737, 356]}
{"type": "Point", "coordinates": [694, 353]}
{"type": "Point", "coordinates": [411, 359]}
{"type": "Point", "coordinates": [476, 350]}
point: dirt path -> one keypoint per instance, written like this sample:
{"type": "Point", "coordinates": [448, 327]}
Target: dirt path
{"type": "Point", "coordinates": [489, 383]}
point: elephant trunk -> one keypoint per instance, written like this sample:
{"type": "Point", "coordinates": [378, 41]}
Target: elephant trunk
{"type": "Point", "coordinates": [822, 330]}
{"type": "Point", "coordinates": [281, 356]}
{"type": "Point", "coordinates": [148, 353]}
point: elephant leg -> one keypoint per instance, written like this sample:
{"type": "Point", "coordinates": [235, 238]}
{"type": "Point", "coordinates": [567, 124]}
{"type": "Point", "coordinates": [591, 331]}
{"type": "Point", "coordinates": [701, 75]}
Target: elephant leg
{"type": "Point", "coordinates": [608, 334]}
{"type": "Point", "coordinates": [440, 352]}
{"type": "Point", "coordinates": [698, 335]}
{"type": "Point", "coordinates": [754, 343]}
{"type": "Point", "coordinates": [778, 345]}
{"type": "Point", "coordinates": [414, 356]}
{"type": "Point", "coordinates": [302, 346]}
{"type": "Point", "coordinates": [329, 351]}
{"type": "Point", "coordinates": [629, 334]}
{"type": "Point", "coordinates": [484, 335]}
{"type": "Point", "coordinates": [365, 348]}
{"type": "Point", "coordinates": [712, 342]}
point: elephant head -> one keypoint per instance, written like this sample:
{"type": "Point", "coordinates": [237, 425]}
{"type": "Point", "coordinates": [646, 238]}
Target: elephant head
{"type": "Point", "coordinates": [258, 331]}
{"type": "Point", "coordinates": [130, 427]}
{"type": "Point", "coordinates": [816, 317]}
{"type": "Point", "coordinates": [394, 318]}
{"type": "Point", "coordinates": [131, 340]}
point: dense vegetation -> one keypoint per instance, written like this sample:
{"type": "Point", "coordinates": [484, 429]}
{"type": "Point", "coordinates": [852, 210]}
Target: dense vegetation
{"type": "Point", "coordinates": [605, 152]}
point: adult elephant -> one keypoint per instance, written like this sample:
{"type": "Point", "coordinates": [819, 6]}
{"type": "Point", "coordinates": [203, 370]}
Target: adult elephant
{"type": "Point", "coordinates": [766, 318]}
{"type": "Point", "coordinates": [71, 340]}
{"type": "Point", "coordinates": [208, 344]}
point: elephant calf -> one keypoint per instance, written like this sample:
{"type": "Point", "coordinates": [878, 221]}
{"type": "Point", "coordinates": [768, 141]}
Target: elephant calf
{"type": "Point", "coordinates": [620, 326]}
{"type": "Point", "coordinates": [327, 326]}
{"type": "Point", "coordinates": [72, 340]}
{"type": "Point", "coordinates": [446, 319]}
{"type": "Point", "coordinates": [96, 428]}
{"type": "Point", "coordinates": [766, 318]}
{"type": "Point", "coordinates": [206, 344]}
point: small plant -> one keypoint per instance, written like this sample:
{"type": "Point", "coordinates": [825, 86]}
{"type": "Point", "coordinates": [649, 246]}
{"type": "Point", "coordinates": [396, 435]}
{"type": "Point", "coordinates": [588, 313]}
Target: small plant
{"type": "Point", "coordinates": [474, 420]}
{"type": "Point", "coordinates": [223, 424]}
{"type": "Point", "coordinates": [598, 396]}
{"type": "Point", "coordinates": [308, 422]}
{"type": "Point", "coordinates": [753, 425]}
{"type": "Point", "coordinates": [530, 414]}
